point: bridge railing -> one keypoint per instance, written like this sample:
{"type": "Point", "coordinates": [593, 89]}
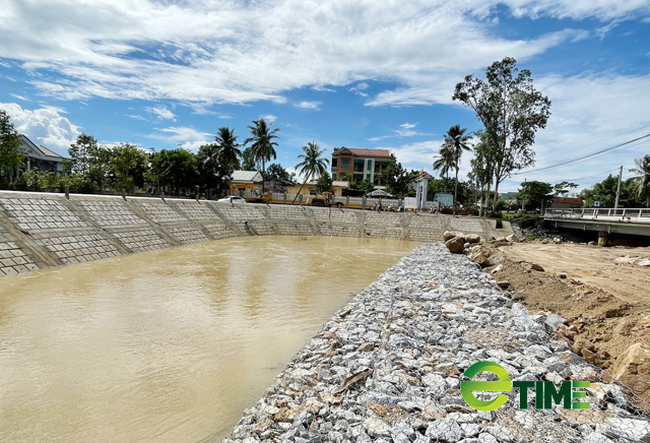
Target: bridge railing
{"type": "Point", "coordinates": [622, 215]}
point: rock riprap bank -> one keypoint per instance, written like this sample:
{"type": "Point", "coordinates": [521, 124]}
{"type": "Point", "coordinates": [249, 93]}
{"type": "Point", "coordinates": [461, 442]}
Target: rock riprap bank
{"type": "Point", "coordinates": [388, 366]}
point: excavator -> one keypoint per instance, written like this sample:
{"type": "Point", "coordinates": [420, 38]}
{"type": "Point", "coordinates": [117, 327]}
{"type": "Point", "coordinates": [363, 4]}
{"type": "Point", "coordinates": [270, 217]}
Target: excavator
{"type": "Point", "coordinates": [245, 190]}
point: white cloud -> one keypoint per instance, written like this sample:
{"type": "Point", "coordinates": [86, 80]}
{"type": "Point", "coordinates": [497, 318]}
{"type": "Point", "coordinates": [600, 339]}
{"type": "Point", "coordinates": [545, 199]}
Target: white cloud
{"type": "Point", "coordinates": [405, 130]}
{"type": "Point", "coordinates": [359, 88]}
{"type": "Point", "coordinates": [269, 118]}
{"type": "Point", "coordinates": [161, 112]}
{"type": "Point", "coordinates": [308, 105]}
{"type": "Point", "coordinates": [209, 51]}
{"type": "Point", "coordinates": [183, 136]}
{"type": "Point", "coordinates": [45, 126]}
{"type": "Point", "coordinates": [20, 97]}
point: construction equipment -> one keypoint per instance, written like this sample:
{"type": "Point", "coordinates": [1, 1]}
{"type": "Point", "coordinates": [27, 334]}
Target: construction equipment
{"type": "Point", "coordinates": [250, 193]}
{"type": "Point", "coordinates": [326, 200]}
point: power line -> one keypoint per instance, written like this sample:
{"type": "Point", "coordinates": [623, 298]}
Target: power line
{"type": "Point", "coordinates": [584, 157]}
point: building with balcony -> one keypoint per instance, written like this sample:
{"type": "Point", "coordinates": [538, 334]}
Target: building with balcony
{"type": "Point", "coordinates": [361, 163]}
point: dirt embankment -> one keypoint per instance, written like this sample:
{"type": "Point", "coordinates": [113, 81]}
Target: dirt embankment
{"type": "Point", "coordinates": [603, 293]}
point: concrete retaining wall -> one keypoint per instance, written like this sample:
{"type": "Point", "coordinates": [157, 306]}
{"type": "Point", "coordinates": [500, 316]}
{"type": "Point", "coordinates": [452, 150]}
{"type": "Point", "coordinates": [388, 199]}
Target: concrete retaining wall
{"type": "Point", "coordinates": [41, 230]}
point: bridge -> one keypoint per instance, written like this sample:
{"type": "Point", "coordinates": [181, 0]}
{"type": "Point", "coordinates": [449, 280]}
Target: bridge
{"type": "Point", "coordinates": [632, 221]}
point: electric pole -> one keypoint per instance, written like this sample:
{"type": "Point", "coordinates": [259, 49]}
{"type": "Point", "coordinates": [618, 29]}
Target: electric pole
{"type": "Point", "coordinates": [618, 188]}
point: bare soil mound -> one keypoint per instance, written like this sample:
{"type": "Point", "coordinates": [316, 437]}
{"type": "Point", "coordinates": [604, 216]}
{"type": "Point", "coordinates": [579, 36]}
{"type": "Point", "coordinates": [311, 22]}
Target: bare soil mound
{"type": "Point", "coordinates": [603, 293]}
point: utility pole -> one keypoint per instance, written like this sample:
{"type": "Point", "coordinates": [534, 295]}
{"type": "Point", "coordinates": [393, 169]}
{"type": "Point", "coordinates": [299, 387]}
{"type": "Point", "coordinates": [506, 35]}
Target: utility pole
{"type": "Point", "coordinates": [618, 189]}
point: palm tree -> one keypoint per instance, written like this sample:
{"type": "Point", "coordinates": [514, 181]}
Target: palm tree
{"type": "Point", "coordinates": [229, 152]}
{"type": "Point", "coordinates": [642, 189]}
{"type": "Point", "coordinates": [312, 163]}
{"type": "Point", "coordinates": [445, 161]}
{"type": "Point", "coordinates": [262, 143]}
{"type": "Point", "coordinates": [455, 142]}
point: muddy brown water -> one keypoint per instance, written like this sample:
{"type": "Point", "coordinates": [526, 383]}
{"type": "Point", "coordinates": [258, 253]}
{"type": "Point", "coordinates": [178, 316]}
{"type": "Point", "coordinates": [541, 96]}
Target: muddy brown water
{"type": "Point", "coordinates": [171, 345]}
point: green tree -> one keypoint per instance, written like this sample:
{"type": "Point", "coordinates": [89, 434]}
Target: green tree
{"type": "Point", "coordinates": [642, 180]}
{"type": "Point", "coordinates": [605, 192]}
{"type": "Point", "coordinates": [278, 173]}
{"type": "Point", "coordinates": [444, 162]}
{"type": "Point", "coordinates": [35, 181]}
{"type": "Point", "coordinates": [175, 170]}
{"type": "Point", "coordinates": [312, 164]}
{"type": "Point", "coordinates": [324, 183]}
{"type": "Point", "coordinates": [347, 177]}
{"type": "Point", "coordinates": [511, 110]}
{"type": "Point", "coordinates": [364, 185]}
{"type": "Point", "coordinates": [212, 173]}
{"type": "Point", "coordinates": [483, 168]}
{"type": "Point", "coordinates": [10, 156]}
{"type": "Point", "coordinates": [262, 144]}
{"type": "Point", "coordinates": [456, 142]}
{"type": "Point", "coordinates": [398, 181]}
{"type": "Point", "coordinates": [128, 165]}
{"type": "Point", "coordinates": [82, 152]}
{"type": "Point", "coordinates": [535, 194]}
{"type": "Point", "coordinates": [229, 152]}
{"type": "Point", "coordinates": [562, 188]}
{"type": "Point", "coordinates": [248, 161]}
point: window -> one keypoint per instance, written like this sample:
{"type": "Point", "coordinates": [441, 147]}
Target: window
{"type": "Point", "coordinates": [333, 176]}
{"type": "Point", "coordinates": [345, 164]}
{"type": "Point", "coordinates": [358, 166]}
{"type": "Point", "coordinates": [369, 168]}
{"type": "Point", "coordinates": [335, 162]}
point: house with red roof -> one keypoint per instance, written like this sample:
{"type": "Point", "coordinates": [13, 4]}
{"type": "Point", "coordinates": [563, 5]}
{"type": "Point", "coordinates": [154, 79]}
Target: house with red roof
{"type": "Point", "coordinates": [566, 202]}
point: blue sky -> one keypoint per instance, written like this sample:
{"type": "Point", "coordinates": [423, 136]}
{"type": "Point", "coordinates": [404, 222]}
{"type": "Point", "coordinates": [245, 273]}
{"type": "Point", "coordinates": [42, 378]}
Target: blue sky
{"type": "Point", "coordinates": [359, 73]}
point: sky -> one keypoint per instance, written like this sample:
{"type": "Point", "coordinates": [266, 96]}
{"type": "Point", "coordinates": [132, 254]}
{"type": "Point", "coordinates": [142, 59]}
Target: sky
{"type": "Point", "coordinates": [356, 73]}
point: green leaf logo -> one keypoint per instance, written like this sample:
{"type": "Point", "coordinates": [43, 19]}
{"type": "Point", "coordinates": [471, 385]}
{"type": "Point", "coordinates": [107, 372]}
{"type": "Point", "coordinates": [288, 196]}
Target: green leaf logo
{"type": "Point", "coordinates": [467, 388]}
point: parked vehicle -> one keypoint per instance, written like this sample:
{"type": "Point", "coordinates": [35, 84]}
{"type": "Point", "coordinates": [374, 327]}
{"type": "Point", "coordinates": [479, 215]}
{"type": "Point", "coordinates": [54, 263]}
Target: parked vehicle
{"type": "Point", "coordinates": [251, 194]}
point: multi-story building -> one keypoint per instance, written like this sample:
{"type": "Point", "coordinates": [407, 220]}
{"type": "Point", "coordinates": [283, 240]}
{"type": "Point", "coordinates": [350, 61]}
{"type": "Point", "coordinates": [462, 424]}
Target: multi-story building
{"type": "Point", "coordinates": [361, 163]}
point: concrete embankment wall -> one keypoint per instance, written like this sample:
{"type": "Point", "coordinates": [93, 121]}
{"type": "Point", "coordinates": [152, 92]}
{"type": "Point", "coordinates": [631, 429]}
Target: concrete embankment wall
{"type": "Point", "coordinates": [40, 230]}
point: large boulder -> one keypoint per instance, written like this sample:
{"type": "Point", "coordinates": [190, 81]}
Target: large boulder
{"type": "Point", "coordinates": [632, 368]}
{"type": "Point", "coordinates": [448, 235]}
{"type": "Point", "coordinates": [455, 245]}
{"type": "Point", "coordinates": [473, 238]}
{"type": "Point", "coordinates": [482, 258]}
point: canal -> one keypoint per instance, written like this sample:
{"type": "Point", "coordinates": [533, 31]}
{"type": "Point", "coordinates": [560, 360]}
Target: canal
{"type": "Point", "coordinates": [170, 345]}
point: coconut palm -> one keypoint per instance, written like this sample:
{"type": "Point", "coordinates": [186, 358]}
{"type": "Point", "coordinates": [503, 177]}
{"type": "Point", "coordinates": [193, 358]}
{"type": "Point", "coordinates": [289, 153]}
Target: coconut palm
{"type": "Point", "coordinates": [229, 152]}
{"type": "Point", "coordinates": [444, 162]}
{"type": "Point", "coordinates": [642, 181]}
{"type": "Point", "coordinates": [453, 146]}
{"type": "Point", "coordinates": [312, 163]}
{"type": "Point", "coordinates": [262, 144]}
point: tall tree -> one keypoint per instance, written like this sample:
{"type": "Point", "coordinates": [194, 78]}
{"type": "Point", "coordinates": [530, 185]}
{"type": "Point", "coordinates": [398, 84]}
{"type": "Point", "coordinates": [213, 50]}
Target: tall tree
{"type": "Point", "coordinates": [456, 142]}
{"type": "Point", "coordinates": [398, 181]}
{"type": "Point", "coordinates": [535, 193]}
{"type": "Point", "coordinates": [313, 163]}
{"type": "Point", "coordinates": [248, 161]}
{"type": "Point", "coordinates": [324, 183]}
{"type": "Point", "coordinates": [483, 167]}
{"type": "Point", "coordinates": [212, 173]}
{"type": "Point", "coordinates": [262, 144]}
{"type": "Point", "coordinates": [229, 152]}
{"type": "Point", "coordinates": [176, 170]}
{"type": "Point", "coordinates": [128, 165]}
{"type": "Point", "coordinates": [642, 180]}
{"type": "Point", "coordinates": [511, 110]}
{"type": "Point", "coordinates": [277, 172]}
{"type": "Point", "coordinates": [82, 152]}
{"type": "Point", "coordinates": [444, 162]}
{"type": "Point", "coordinates": [10, 156]}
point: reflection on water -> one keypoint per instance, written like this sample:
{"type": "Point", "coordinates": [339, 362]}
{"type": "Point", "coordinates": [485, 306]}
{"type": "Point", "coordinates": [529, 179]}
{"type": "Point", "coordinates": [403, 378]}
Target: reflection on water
{"type": "Point", "coordinates": [171, 345]}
